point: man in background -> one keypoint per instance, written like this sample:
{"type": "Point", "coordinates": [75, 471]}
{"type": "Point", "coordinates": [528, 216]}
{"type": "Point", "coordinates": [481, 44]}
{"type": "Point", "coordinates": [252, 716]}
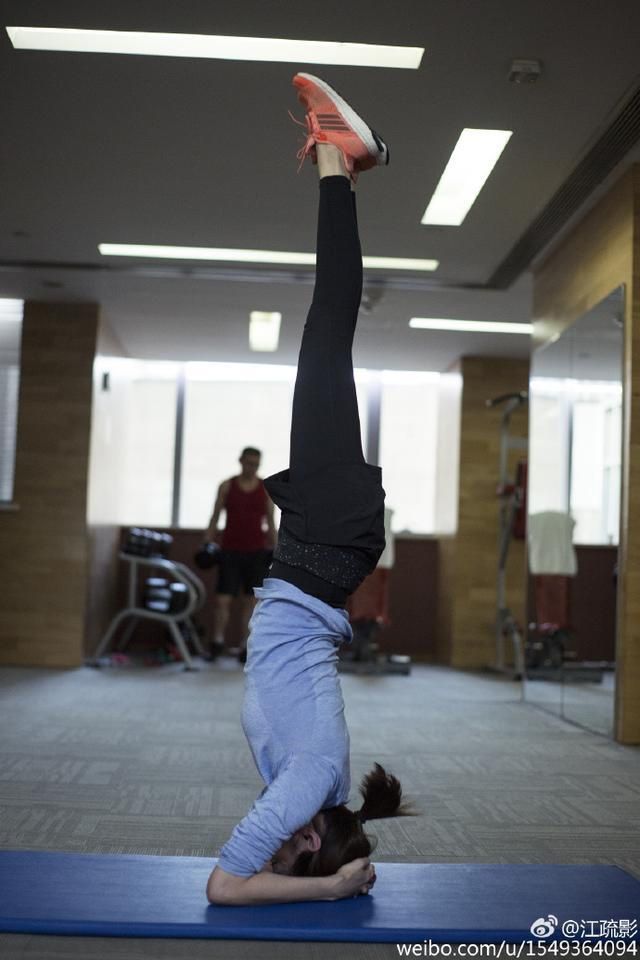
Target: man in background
{"type": "Point", "coordinates": [245, 544]}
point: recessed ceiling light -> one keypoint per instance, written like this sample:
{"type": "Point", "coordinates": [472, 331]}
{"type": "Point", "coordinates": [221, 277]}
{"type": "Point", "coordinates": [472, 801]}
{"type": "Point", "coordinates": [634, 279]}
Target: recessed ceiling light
{"type": "Point", "coordinates": [264, 330]}
{"type": "Point", "coordinates": [474, 157]}
{"type": "Point", "coordinates": [251, 256]}
{"type": "Point", "coordinates": [215, 47]}
{"type": "Point", "coordinates": [470, 326]}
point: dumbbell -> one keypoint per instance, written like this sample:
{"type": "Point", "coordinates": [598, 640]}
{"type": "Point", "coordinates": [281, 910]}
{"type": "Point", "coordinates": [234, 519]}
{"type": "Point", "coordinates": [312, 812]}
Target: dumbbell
{"type": "Point", "coordinates": [157, 594]}
{"type": "Point", "coordinates": [179, 597]}
{"type": "Point", "coordinates": [208, 555]}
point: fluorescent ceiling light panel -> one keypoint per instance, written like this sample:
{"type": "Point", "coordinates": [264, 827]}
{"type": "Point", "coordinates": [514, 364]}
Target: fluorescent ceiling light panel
{"type": "Point", "coordinates": [400, 263]}
{"type": "Point", "coordinates": [474, 157]}
{"type": "Point", "coordinates": [215, 47]}
{"type": "Point", "coordinates": [470, 326]}
{"type": "Point", "coordinates": [11, 309]}
{"type": "Point", "coordinates": [264, 330]}
{"type": "Point", "coordinates": [250, 256]}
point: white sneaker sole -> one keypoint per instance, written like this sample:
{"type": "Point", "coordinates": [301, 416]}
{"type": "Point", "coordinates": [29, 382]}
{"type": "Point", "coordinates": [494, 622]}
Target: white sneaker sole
{"type": "Point", "coordinates": [356, 123]}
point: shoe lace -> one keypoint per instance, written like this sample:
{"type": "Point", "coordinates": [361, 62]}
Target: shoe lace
{"type": "Point", "coordinates": [311, 126]}
{"type": "Point", "coordinates": [309, 140]}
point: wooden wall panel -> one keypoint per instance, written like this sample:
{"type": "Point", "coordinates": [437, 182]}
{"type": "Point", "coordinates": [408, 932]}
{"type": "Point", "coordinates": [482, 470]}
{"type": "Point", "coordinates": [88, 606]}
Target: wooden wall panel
{"type": "Point", "coordinates": [627, 719]}
{"type": "Point", "coordinates": [592, 603]}
{"type": "Point", "coordinates": [413, 600]}
{"type": "Point", "coordinates": [600, 253]}
{"type": "Point", "coordinates": [446, 591]}
{"type": "Point", "coordinates": [420, 590]}
{"type": "Point", "coordinates": [43, 561]}
{"type": "Point", "coordinates": [593, 260]}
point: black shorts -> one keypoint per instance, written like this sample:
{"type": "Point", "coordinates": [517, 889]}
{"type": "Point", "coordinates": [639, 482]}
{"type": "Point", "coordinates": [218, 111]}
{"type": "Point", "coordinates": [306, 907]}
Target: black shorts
{"type": "Point", "coordinates": [241, 571]}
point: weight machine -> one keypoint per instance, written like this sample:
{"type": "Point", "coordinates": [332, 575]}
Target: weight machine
{"type": "Point", "coordinates": [513, 509]}
{"type": "Point", "coordinates": [170, 600]}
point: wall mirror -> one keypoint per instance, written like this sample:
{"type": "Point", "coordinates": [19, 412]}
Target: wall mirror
{"type": "Point", "coordinates": [575, 447]}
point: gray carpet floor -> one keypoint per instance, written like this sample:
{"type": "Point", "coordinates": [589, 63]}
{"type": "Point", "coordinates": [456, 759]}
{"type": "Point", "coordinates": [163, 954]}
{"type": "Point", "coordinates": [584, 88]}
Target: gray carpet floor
{"type": "Point", "coordinates": [153, 761]}
{"type": "Point", "coordinates": [589, 704]}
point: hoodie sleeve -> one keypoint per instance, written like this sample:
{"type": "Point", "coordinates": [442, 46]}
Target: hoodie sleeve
{"type": "Point", "coordinates": [292, 799]}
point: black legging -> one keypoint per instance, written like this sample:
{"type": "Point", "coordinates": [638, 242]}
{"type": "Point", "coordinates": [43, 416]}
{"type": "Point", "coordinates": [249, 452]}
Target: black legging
{"type": "Point", "coordinates": [325, 425]}
{"type": "Point", "coordinates": [332, 528]}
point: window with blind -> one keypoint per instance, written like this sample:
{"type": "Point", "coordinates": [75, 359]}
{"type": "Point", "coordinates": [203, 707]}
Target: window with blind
{"type": "Point", "coordinates": [575, 451]}
{"type": "Point", "coordinates": [228, 406]}
{"type": "Point", "coordinates": [10, 333]}
{"type": "Point", "coordinates": [419, 449]}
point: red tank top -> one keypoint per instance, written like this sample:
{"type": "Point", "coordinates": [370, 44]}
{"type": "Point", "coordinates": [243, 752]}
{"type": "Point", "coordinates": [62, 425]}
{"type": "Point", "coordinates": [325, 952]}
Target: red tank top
{"type": "Point", "coordinates": [245, 512]}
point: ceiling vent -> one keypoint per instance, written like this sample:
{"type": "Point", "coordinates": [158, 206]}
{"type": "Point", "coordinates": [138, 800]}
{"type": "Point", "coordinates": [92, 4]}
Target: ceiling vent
{"type": "Point", "coordinates": [611, 148]}
{"type": "Point", "coordinates": [525, 71]}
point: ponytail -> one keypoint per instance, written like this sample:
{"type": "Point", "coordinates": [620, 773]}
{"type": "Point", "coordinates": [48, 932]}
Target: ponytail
{"type": "Point", "coordinates": [382, 796]}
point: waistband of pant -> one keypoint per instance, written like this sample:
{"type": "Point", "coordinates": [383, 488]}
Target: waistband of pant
{"type": "Point", "coordinates": [316, 587]}
{"type": "Point", "coordinates": [341, 566]}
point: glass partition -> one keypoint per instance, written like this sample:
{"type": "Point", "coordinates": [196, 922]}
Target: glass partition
{"type": "Point", "coordinates": [575, 444]}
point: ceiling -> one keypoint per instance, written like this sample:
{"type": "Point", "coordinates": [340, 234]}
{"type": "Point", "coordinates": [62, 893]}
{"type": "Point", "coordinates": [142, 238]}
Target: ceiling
{"type": "Point", "coordinates": [132, 149]}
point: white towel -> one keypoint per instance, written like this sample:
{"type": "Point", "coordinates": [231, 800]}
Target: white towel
{"type": "Point", "coordinates": [388, 556]}
{"type": "Point", "coordinates": [550, 536]}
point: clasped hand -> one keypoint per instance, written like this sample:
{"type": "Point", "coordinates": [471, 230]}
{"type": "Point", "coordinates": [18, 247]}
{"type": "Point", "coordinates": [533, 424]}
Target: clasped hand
{"type": "Point", "coordinates": [355, 878]}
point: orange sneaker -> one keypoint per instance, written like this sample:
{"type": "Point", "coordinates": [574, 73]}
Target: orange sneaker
{"type": "Point", "coordinates": [330, 119]}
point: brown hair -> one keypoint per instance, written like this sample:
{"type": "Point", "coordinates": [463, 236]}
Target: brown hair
{"type": "Point", "coordinates": [343, 836]}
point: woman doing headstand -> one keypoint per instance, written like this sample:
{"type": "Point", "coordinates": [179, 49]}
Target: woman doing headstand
{"type": "Point", "coordinates": [299, 841]}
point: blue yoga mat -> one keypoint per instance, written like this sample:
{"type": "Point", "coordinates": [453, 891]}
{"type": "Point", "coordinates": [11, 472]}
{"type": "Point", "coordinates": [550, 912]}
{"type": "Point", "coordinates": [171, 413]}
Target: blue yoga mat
{"type": "Point", "coordinates": [140, 896]}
